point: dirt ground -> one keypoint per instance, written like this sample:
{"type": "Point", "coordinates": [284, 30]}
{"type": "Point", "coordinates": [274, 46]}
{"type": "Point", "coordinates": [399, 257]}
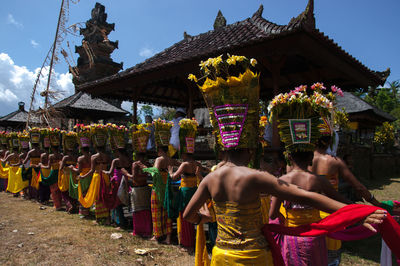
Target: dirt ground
{"type": "Point", "coordinates": [31, 235]}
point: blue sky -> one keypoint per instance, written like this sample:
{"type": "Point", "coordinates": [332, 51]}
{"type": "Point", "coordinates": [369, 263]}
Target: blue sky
{"type": "Point", "coordinates": [367, 29]}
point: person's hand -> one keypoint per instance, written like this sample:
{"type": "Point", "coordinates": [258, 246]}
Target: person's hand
{"type": "Point", "coordinates": [206, 216]}
{"type": "Point", "coordinates": [376, 217]}
{"type": "Point", "coordinates": [170, 170]}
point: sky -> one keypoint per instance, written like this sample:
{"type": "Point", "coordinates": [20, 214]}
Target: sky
{"type": "Point", "coordinates": [367, 29]}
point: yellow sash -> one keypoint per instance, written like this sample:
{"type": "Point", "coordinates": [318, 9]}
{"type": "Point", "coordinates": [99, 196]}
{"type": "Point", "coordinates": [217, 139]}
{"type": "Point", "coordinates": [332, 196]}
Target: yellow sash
{"type": "Point", "coordinates": [15, 182]}
{"type": "Point", "coordinates": [63, 179]}
{"type": "Point", "coordinates": [93, 190]}
{"type": "Point", "coordinates": [241, 257]}
{"type": "Point", "coordinates": [35, 179]}
{"type": "Point", "coordinates": [4, 171]}
{"type": "Point", "coordinates": [189, 181]}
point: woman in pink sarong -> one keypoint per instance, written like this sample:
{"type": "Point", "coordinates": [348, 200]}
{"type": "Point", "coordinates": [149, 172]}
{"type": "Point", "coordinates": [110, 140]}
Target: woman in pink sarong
{"type": "Point", "coordinates": [122, 161]}
{"type": "Point", "coordinates": [303, 250]}
{"type": "Point", "coordinates": [140, 197]}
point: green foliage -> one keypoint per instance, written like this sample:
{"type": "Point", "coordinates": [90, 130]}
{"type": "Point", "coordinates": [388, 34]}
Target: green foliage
{"type": "Point", "coordinates": [387, 99]}
{"type": "Point", "coordinates": [146, 110]}
{"type": "Point", "coordinates": [385, 134]}
{"type": "Point", "coordinates": [167, 113]}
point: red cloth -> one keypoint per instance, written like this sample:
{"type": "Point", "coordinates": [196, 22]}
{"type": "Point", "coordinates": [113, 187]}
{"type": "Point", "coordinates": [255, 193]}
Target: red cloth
{"type": "Point", "coordinates": [108, 195]}
{"type": "Point", "coordinates": [338, 221]}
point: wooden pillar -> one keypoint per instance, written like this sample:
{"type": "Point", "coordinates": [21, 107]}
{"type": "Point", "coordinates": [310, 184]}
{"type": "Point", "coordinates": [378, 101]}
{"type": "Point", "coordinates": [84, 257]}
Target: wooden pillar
{"type": "Point", "coordinates": [190, 103]}
{"type": "Point", "coordinates": [274, 65]}
{"type": "Point", "coordinates": [134, 117]}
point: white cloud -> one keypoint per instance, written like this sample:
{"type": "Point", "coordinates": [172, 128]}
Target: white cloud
{"type": "Point", "coordinates": [146, 52]}
{"type": "Point", "coordinates": [12, 21]}
{"type": "Point", "coordinates": [34, 44]}
{"type": "Point", "coordinates": [16, 84]}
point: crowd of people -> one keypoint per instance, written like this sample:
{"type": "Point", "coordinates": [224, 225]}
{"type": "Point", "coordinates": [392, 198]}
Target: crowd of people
{"type": "Point", "coordinates": [258, 212]}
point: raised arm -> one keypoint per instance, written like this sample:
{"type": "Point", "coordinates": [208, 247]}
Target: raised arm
{"type": "Point", "coordinates": [79, 169]}
{"type": "Point", "coordinates": [360, 189]}
{"type": "Point", "coordinates": [266, 183]}
{"type": "Point", "coordinates": [112, 167]}
{"type": "Point", "coordinates": [27, 157]}
{"type": "Point", "coordinates": [92, 168]}
{"type": "Point", "coordinates": [180, 171]}
{"type": "Point", "coordinates": [43, 163]}
{"type": "Point", "coordinates": [328, 190]}
{"type": "Point", "coordinates": [191, 213]}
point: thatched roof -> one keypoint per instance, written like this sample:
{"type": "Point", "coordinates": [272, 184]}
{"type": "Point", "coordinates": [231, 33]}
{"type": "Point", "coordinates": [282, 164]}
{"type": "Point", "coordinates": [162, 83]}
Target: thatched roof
{"type": "Point", "coordinates": [355, 106]}
{"type": "Point", "coordinates": [309, 56]}
{"type": "Point", "coordinates": [82, 104]}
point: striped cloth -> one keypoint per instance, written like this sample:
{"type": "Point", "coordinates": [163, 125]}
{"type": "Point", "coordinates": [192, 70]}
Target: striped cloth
{"type": "Point", "coordinates": [162, 225]}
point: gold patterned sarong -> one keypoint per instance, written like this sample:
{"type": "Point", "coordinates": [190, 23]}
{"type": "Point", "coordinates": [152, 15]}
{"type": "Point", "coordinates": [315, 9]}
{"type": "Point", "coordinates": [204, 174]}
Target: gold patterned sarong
{"type": "Point", "coordinates": [240, 240]}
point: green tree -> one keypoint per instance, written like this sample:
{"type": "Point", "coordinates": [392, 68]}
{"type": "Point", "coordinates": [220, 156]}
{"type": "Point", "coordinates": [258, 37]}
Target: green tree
{"type": "Point", "coordinates": [167, 113]}
{"type": "Point", "coordinates": [146, 110]}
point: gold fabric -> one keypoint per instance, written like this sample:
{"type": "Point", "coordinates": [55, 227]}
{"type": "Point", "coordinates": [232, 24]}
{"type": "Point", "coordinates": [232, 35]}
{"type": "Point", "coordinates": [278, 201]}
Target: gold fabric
{"type": "Point", "coordinates": [239, 226]}
{"type": "Point", "coordinates": [189, 181]}
{"type": "Point", "coordinates": [15, 182]}
{"type": "Point", "coordinates": [241, 257]}
{"type": "Point", "coordinates": [332, 244]}
{"type": "Point", "coordinates": [297, 217]}
{"type": "Point", "coordinates": [4, 171]}
{"type": "Point", "coordinates": [265, 205]}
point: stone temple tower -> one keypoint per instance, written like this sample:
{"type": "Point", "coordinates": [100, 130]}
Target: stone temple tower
{"type": "Point", "coordinates": [94, 61]}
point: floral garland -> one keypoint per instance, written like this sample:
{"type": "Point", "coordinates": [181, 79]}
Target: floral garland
{"type": "Point", "coordinates": [13, 139]}
{"type": "Point", "coordinates": [263, 123]}
{"type": "Point", "coordinates": [69, 139]}
{"type": "Point", "coordinates": [44, 136]}
{"type": "Point", "coordinates": [231, 91]}
{"type": "Point", "coordinates": [162, 132]}
{"type": "Point", "coordinates": [84, 135]}
{"type": "Point", "coordinates": [34, 134]}
{"type": "Point", "coordinates": [187, 134]}
{"type": "Point", "coordinates": [3, 138]}
{"type": "Point", "coordinates": [117, 135]}
{"type": "Point", "coordinates": [298, 114]}
{"type": "Point", "coordinates": [24, 139]}
{"type": "Point", "coordinates": [98, 134]}
{"type": "Point", "coordinates": [54, 135]}
{"type": "Point", "coordinates": [140, 135]}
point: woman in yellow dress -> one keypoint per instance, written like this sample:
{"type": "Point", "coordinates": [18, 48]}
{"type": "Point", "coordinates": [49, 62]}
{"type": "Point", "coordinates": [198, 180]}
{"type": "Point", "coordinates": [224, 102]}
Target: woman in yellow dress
{"type": "Point", "coordinates": [233, 103]}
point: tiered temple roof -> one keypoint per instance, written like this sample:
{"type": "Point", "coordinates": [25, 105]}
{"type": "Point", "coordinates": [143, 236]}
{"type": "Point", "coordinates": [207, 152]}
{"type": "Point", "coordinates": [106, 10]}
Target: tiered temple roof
{"type": "Point", "coordinates": [288, 55]}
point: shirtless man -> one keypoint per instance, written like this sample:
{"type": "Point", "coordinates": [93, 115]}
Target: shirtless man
{"type": "Point", "coordinates": [234, 187]}
{"type": "Point", "coordinates": [99, 163]}
{"type": "Point", "coordinates": [332, 168]}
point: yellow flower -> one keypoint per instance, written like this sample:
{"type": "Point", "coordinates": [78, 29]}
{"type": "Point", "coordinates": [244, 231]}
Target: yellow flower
{"type": "Point", "coordinates": [253, 62]}
{"type": "Point", "coordinates": [192, 77]}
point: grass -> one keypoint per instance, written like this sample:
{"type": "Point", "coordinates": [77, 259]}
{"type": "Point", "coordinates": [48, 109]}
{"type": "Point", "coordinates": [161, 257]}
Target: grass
{"type": "Point", "coordinates": [62, 239]}
{"type": "Point", "coordinates": [367, 251]}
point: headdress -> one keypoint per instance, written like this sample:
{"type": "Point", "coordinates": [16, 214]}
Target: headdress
{"type": "Point", "coordinates": [140, 135]}
{"type": "Point", "coordinates": [187, 134]}
{"type": "Point", "coordinates": [83, 135]}
{"type": "Point", "coordinates": [261, 131]}
{"type": "Point", "coordinates": [24, 139]}
{"type": "Point", "coordinates": [14, 141]}
{"type": "Point", "coordinates": [298, 114]}
{"type": "Point", "coordinates": [44, 135]}
{"type": "Point", "coordinates": [34, 134]}
{"type": "Point", "coordinates": [117, 136]}
{"type": "Point", "coordinates": [4, 138]}
{"type": "Point", "coordinates": [54, 135]}
{"type": "Point", "coordinates": [69, 140]}
{"type": "Point", "coordinates": [98, 133]}
{"type": "Point", "coordinates": [231, 92]}
{"type": "Point", "coordinates": [162, 132]}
